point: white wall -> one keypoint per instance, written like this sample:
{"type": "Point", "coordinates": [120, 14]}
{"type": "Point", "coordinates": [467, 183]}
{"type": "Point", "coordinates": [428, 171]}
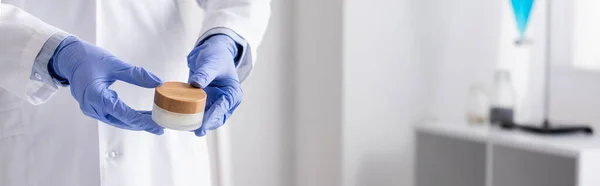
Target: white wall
{"type": "Point", "coordinates": [456, 42]}
{"type": "Point", "coordinates": [574, 90]}
{"type": "Point", "coordinates": [356, 93]}
{"type": "Point", "coordinates": [317, 92]}
{"type": "Point", "coordinates": [261, 138]}
{"type": "Point", "coordinates": [381, 91]}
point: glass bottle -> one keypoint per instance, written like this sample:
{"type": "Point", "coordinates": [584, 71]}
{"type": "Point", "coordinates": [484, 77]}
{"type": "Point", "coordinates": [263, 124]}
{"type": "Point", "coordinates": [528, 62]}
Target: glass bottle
{"type": "Point", "coordinates": [503, 100]}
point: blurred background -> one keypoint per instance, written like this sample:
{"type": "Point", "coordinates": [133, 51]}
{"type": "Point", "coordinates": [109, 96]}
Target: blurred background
{"type": "Point", "coordinates": [339, 84]}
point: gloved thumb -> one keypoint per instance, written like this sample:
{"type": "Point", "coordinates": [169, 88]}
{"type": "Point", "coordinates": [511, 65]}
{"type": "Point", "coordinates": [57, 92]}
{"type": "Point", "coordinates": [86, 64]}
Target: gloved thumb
{"type": "Point", "coordinates": [136, 75]}
{"type": "Point", "coordinates": [204, 75]}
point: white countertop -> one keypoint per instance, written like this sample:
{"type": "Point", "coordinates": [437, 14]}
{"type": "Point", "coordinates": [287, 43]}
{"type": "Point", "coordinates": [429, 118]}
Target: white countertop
{"type": "Point", "coordinates": [566, 145]}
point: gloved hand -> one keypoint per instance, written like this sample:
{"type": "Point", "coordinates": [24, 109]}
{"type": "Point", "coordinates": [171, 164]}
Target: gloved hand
{"type": "Point", "coordinates": [212, 68]}
{"type": "Point", "coordinates": [90, 71]}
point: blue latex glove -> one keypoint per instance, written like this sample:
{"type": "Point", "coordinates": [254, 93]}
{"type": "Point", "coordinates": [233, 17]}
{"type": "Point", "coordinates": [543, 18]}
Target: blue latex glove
{"type": "Point", "coordinates": [90, 71]}
{"type": "Point", "coordinates": [212, 68]}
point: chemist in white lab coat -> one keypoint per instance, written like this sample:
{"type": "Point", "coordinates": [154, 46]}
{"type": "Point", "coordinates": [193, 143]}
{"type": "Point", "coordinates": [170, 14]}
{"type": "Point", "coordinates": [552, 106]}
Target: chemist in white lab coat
{"type": "Point", "coordinates": [44, 137]}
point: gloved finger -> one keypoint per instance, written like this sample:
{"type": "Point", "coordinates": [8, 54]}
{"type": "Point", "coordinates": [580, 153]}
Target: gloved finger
{"type": "Point", "coordinates": [213, 117]}
{"type": "Point", "coordinates": [213, 94]}
{"type": "Point", "coordinates": [119, 110]}
{"type": "Point", "coordinates": [119, 124]}
{"type": "Point", "coordinates": [134, 75]}
{"type": "Point", "coordinates": [204, 74]}
{"type": "Point", "coordinates": [230, 96]}
{"type": "Point", "coordinates": [149, 112]}
{"type": "Point", "coordinates": [232, 91]}
{"type": "Point", "coordinates": [154, 130]}
{"type": "Point", "coordinates": [111, 120]}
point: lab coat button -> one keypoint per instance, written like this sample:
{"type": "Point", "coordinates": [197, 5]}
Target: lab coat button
{"type": "Point", "coordinates": [38, 76]}
{"type": "Point", "coordinates": [111, 154]}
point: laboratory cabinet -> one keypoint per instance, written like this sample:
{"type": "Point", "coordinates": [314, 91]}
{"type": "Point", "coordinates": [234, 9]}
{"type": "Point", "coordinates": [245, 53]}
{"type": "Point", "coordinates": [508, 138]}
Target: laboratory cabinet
{"type": "Point", "coordinates": [458, 154]}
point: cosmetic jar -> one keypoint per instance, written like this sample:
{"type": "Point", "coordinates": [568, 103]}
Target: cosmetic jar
{"type": "Point", "coordinates": [178, 106]}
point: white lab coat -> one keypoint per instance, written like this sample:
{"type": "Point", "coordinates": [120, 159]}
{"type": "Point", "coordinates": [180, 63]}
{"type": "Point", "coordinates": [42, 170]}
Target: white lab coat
{"type": "Point", "coordinates": [50, 142]}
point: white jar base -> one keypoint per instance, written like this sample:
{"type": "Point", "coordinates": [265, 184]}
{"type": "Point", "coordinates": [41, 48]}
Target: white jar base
{"type": "Point", "coordinates": [176, 121]}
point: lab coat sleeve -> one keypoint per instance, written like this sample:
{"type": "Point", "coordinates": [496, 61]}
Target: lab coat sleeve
{"type": "Point", "coordinates": [245, 21]}
{"type": "Point", "coordinates": [26, 46]}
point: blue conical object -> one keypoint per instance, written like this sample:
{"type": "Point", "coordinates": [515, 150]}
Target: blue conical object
{"type": "Point", "coordinates": [522, 9]}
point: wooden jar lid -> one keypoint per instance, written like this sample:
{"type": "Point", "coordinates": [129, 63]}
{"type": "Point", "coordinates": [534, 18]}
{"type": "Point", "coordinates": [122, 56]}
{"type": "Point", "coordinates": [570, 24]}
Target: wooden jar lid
{"type": "Point", "coordinates": [180, 98]}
